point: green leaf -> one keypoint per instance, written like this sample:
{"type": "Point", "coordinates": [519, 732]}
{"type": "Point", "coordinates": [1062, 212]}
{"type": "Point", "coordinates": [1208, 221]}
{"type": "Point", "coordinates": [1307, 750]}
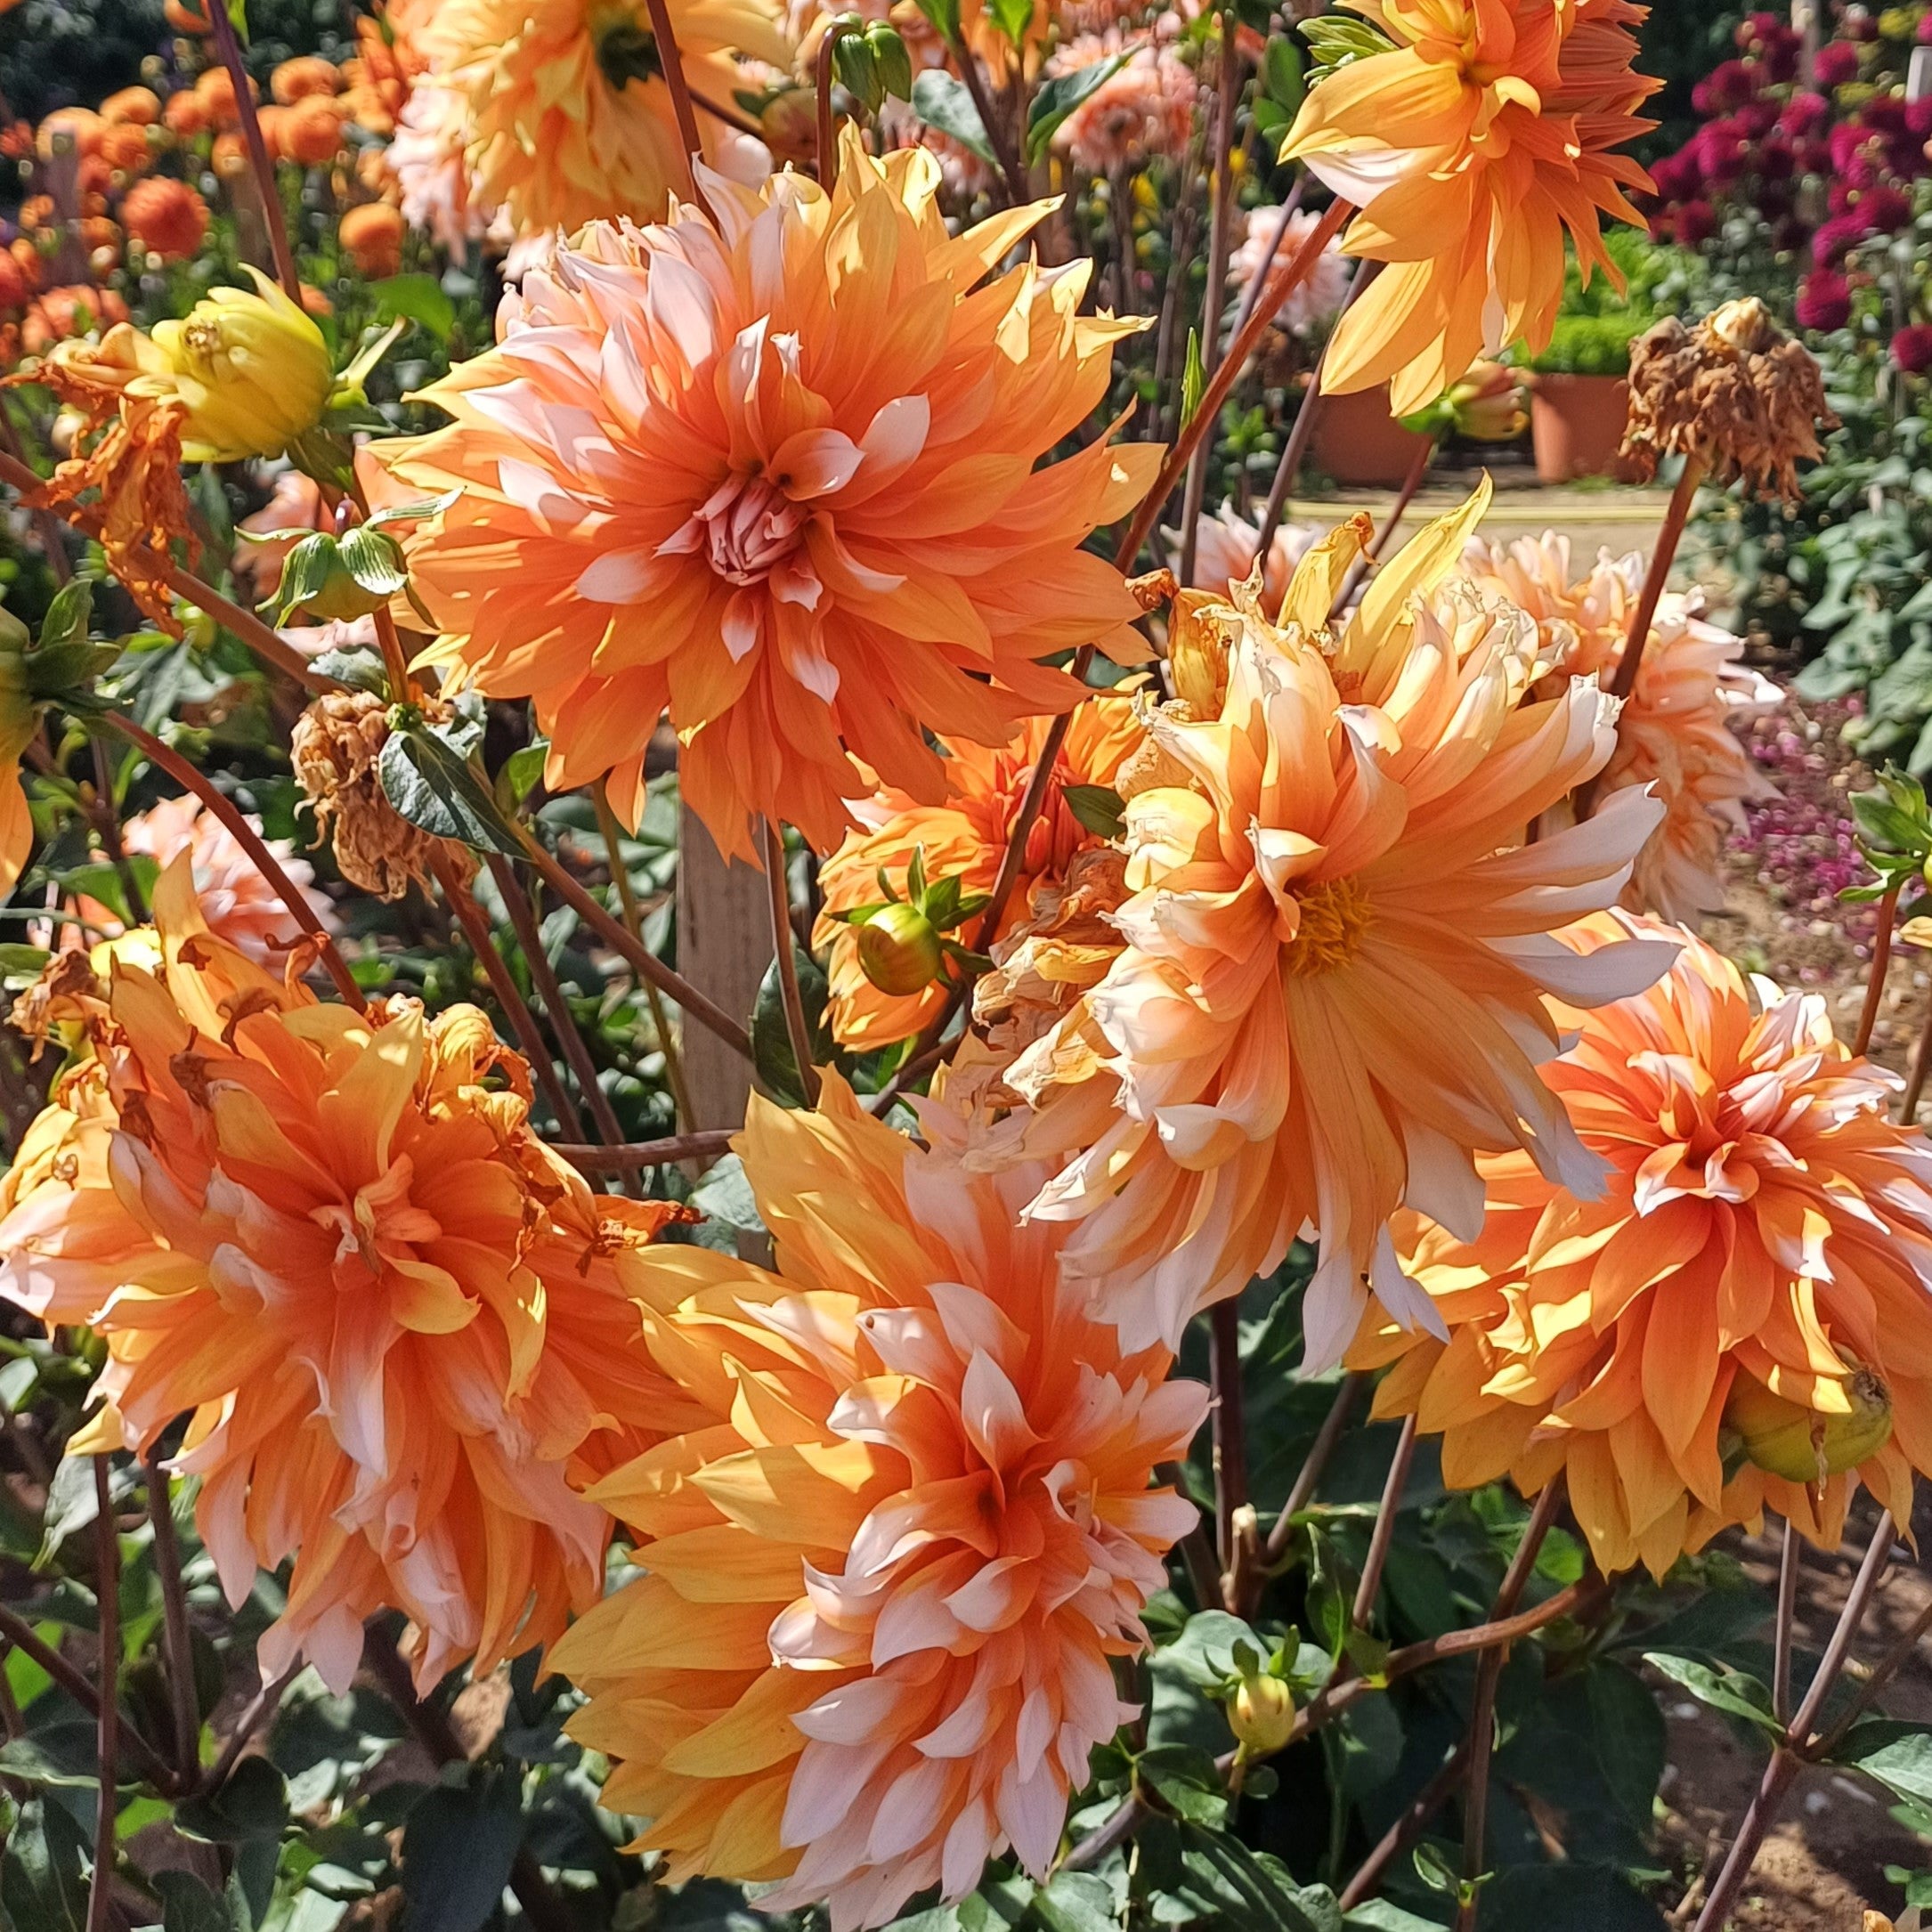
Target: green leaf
{"type": "Point", "coordinates": [361, 669]}
{"type": "Point", "coordinates": [1012, 18]}
{"type": "Point", "coordinates": [725, 1195]}
{"type": "Point", "coordinates": [942, 101]}
{"type": "Point", "coordinates": [458, 1848]}
{"type": "Point", "coordinates": [1735, 1692]}
{"type": "Point", "coordinates": [1898, 1755]}
{"type": "Point", "coordinates": [1883, 824]}
{"type": "Point", "coordinates": [1379, 1916]}
{"type": "Point", "coordinates": [251, 1808]}
{"type": "Point", "coordinates": [1536, 1898]}
{"type": "Point", "coordinates": [944, 15]}
{"type": "Point", "coordinates": [62, 1753]}
{"type": "Point", "coordinates": [519, 774]}
{"type": "Point", "coordinates": [42, 1888]}
{"type": "Point", "coordinates": [1059, 97]}
{"type": "Point", "coordinates": [1193, 379]}
{"type": "Point", "coordinates": [1284, 78]}
{"type": "Point", "coordinates": [1628, 1732]}
{"type": "Point", "coordinates": [416, 298]}
{"type": "Point", "coordinates": [771, 1038]}
{"type": "Point", "coordinates": [187, 1905]}
{"type": "Point", "coordinates": [435, 788]}
{"type": "Point", "coordinates": [68, 615]}
{"type": "Point", "coordinates": [1235, 1889]}
{"type": "Point", "coordinates": [1186, 1781]}
{"type": "Point", "coordinates": [1075, 1901]}
{"type": "Point", "coordinates": [1100, 809]}
{"type": "Point", "coordinates": [71, 1506]}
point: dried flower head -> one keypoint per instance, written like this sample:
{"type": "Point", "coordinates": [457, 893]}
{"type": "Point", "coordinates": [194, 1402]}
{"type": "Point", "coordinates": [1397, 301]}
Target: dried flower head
{"type": "Point", "coordinates": [335, 748]}
{"type": "Point", "coordinates": [1732, 392]}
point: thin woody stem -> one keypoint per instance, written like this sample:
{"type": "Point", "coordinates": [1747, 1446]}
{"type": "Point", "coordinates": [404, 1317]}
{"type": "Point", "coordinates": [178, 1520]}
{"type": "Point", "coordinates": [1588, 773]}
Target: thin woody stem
{"type": "Point", "coordinates": [245, 624]}
{"type": "Point", "coordinates": [107, 1717]}
{"type": "Point", "coordinates": [782, 942]}
{"type": "Point", "coordinates": [1787, 1618]}
{"type": "Point", "coordinates": [1881, 1674]}
{"type": "Point", "coordinates": [995, 124]}
{"type": "Point", "coordinates": [229, 50]}
{"type": "Point", "coordinates": [826, 137]}
{"type": "Point", "coordinates": [1881, 958]}
{"type": "Point", "coordinates": [1418, 470]}
{"type": "Point", "coordinates": [16, 1630]}
{"type": "Point", "coordinates": [264, 861]}
{"type": "Point", "coordinates": [631, 1155]}
{"type": "Point", "coordinates": [671, 62]}
{"type": "Point", "coordinates": [1379, 1544]}
{"type": "Point", "coordinates": [175, 1630]}
{"type": "Point", "coordinates": [1921, 1060]}
{"type": "Point", "coordinates": [536, 1049]}
{"type": "Point", "coordinates": [1229, 1442]}
{"type": "Point", "coordinates": [1196, 1551]}
{"type": "Point", "coordinates": [50, 524]}
{"type": "Point", "coordinates": [1407, 1828]}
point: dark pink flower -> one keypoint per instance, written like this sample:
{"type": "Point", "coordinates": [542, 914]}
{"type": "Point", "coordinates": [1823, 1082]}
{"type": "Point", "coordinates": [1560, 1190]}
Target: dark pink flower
{"type": "Point", "coordinates": [1912, 348]}
{"type": "Point", "coordinates": [1884, 210]}
{"type": "Point", "coordinates": [1837, 237]}
{"type": "Point", "coordinates": [1697, 222]}
{"type": "Point", "coordinates": [1837, 63]}
{"type": "Point", "coordinates": [1806, 113]}
{"type": "Point", "coordinates": [1824, 300]}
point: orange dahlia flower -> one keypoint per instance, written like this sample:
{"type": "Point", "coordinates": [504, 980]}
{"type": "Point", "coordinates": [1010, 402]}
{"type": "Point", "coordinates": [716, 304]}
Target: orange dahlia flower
{"type": "Point", "coordinates": [1741, 1319]}
{"type": "Point", "coordinates": [909, 1525]}
{"type": "Point", "coordinates": [1482, 133]}
{"type": "Point", "coordinates": [964, 838]}
{"type": "Point", "coordinates": [1331, 994]}
{"type": "Point", "coordinates": [799, 507]}
{"type": "Point", "coordinates": [167, 216]}
{"type": "Point", "coordinates": [392, 1317]}
{"type": "Point", "coordinates": [569, 120]}
{"type": "Point", "coordinates": [1676, 734]}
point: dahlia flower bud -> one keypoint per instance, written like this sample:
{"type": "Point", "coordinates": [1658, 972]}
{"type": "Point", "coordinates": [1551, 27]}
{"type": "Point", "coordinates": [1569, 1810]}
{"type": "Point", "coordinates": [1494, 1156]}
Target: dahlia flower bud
{"type": "Point", "coordinates": [1808, 1445]}
{"type": "Point", "coordinates": [335, 748]}
{"type": "Point", "coordinates": [1261, 1714]}
{"type": "Point", "coordinates": [1733, 393]}
{"type": "Point", "coordinates": [900, 950]}
{"type": "Point", "coordinates": [251, 370]}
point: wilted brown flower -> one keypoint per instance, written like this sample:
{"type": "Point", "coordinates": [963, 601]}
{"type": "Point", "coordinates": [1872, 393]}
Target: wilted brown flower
{"type": "Point", "coordinates": [1732, 392]}
{"type": "Point", "coordinates": [335, 748]}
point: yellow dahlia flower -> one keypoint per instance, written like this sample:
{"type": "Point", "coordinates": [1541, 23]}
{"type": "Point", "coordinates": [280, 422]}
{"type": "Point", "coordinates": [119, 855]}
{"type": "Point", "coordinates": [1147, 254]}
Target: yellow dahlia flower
{"type": "Point", "coordinates": [391, 1316]}
{"type": "Point", "coordinates": [887, 1567]}
{"type": "Point", "coordinates": [1741, 1319]}
{"type": "Point", "coordinates": [1331, 994]}
{"type": "Point", "coordinates": [778, 475]}
{"type": "Point", "coordinates": [566, 117]}
{"type": "Point", "coordinates": [964, 839]}
{"type": "Point", "coordinates": [1481, 134]}
{"type": "Point", "coordinates": [1676, 734]}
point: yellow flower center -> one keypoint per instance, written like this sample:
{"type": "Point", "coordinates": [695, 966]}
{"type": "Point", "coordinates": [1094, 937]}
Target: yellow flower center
{"type": "Point", "coordinates": [1336, 916]}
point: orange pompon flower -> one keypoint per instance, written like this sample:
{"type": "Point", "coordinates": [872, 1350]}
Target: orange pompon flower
{"type": "Point", "coordinates": [1677, 733]}
{"type": "Point", "coordinates": [1331, 994]}
{"type": "Point", "coordinates": [167, 216]}
{"type": "Point", "coordinates": [568, 118]}
{"type": "Point", "coordinates": [964, 838]}
{"type": "Point", "coordinates": [800, 510]}
{"type": "Point", "coordinates": [1481, 133]}
{"type": "Point", "coordinates": [888, 1565]}
{"type": "Point", "coordinates": [1741, 1319]}
{"type": "Point", "coordinates": [393, 1317]}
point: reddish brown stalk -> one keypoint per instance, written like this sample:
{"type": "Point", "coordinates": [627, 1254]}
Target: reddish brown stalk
{"type": "Point", "coordinates": [176, 1636]}
{"type": "Point", "coordinates": [1921, 1060]}
{"type": "Point", "coordinates": [1881, 958]}
{"type": "Point", "coordinates": [21, 1635]}
{"type": "Point", "coordinates": [264, 861]}
{"type": "Point", "coordinates": [229, 50]}
{"type": "Point", "coordinates": [827, 140]}
{"type": "Point", "coordinates": [671, 62]}
{"type": "Point", "coordinates": [629, 1156]}
{"type": "Point", "coordinates": [1407, 1828]}
{"type": "Point", "coordinates": [782, 942]}
{"type": "Point", "coordinates": [1418, 470]}
{"type": "Point", "coordinates": [107, 1717]}
{"type": "Point", "coordinates": [1370, 1586]}
{"type": "Point", "coordinates": [1231, 1446]}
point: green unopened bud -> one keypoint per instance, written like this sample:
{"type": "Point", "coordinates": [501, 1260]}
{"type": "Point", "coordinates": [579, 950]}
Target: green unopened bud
{"type": "Point", "coordinates": [853, 61]}
{"type": "Point", "coordinates": [898, 950]}
{"type": "Point", "coordinates": [1261, 1714]}
{"type": "Point", "coordinates": [1787, 1438]}
{"type": "Point", "coordinates": [890, 57]}
{"type": "Point", "coordinates": [343, 577]}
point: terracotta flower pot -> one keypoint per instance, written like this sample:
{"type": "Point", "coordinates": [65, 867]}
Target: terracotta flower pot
{"type": "Point", "coordinates": [1576, 422]}
{"type": "Point", "coordinates": [1360, 445]}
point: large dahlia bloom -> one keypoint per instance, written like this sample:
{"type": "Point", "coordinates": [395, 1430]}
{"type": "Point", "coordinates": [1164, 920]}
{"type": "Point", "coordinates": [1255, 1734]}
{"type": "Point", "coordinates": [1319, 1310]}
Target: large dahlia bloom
{"type": "Point", "coordinates": [1482, 134]}
{"type": "Point", "coordinates": [964, 838]}
{"type": "Point", "coordinates": [887, 1567]}
{"type": "Point", "coordinates": [565, 116]}
{"type": "Point", "coordinates": [778, 475]}
{"type": "Point", "coordinates": [1740, 1319]}
{"type": "Point", "coordinates": [1678, 734]}
{"type": "Point", "coordinates": [1331, 994]}
{"type": "Point", "coordinates": [392, 1318]}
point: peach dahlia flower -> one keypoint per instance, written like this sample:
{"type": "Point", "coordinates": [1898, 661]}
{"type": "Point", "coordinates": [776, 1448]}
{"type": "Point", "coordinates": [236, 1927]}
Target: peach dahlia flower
{"type": "Point", "coordinates": [1678, 734]}
{"type": "Point", "coordinates": [1766, 1229]}
{"type": "Point", "coordinates": [566, 116]}
{"type": "Point", "coordinates": [964, 838]}
{"type": "Point", "coordinates": [778, 475]}
{"type": "Point", "coordinates": [1224, 551]}
{"type": "Point", "coordinates": [1331, 994]}
{"type": "Point", "coordinates": [888, 1565]}
{"type": "Point", "coordinates": [391, 1315]}
{"type": "Point", "coordinates": [1482, 134]}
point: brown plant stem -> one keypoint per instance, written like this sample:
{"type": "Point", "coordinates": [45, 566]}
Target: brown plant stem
{"type": "Point", "coordinates": [107, 1718]}
{"type": "Point", "coordinates": [1307, 1478]}
{"type": "Point", "coordinates": [783, 941]}
{"type": "Point", "coordinates": [1636, 636]}
{"type": "Point", "coordinates": [826, 142]}
{"type": "Point", "coordinates": [564, 1027]}
{"type": "Point", "coordinates": [1881, 958]}
{"type": "Point", "coordinates": [107, 826]}
{"type": "Point", "coordinates": [611, 834]}
{"type": "Point", "coordinates": [541, 1906]}
{"type": "Point", "coordinates": [48, 522]}
{"type": "Point", "coordinates": [631, 1155]}
{"type": "Point", "coordinates": [1881, 1674]}
{"type": "Point", "coordinates": [16, 1630]}
{"type": "Point", "coordinates": [1794, 1750]}
{"type": "Point", "coordinates": [1196, 1551]}
{"type": "Point", "coordinates": [469, 916]}
{"type": "Point", "coordinates": [245, 624]}
{"type": "Point", "coordinates": [1482, 1709]}
{"type": "Point", "coordinates": [261, 1706]}
{"type": "Point", "coordinates": [1252, 293]}
{"type": "Point", "coordinates": [671, 65]}
{"type": "Point", "coordinates": [1921, 1060]}
{"type": "Point", "coordinates": [229, 48]}
{"type": "Point", "coordinates": [640, 958]}
{"type": "Point", "coordinates": [1380, 1542]}
{"type": "Point", "coordinates": [264, 861]}
{"type": "Point", "coordinates": [1407, 1828]}
{"type": "Point", "coordinates": [1011, 168]}
{"type": "Point", "coordinates": [1787, 1618]}
{"type": "Point", "coordinates": [175, 1634]}
{"type": "Point", "coordinates": [1418, 470]}
{"type": "Point", "coordinates": [1230, 1442]}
